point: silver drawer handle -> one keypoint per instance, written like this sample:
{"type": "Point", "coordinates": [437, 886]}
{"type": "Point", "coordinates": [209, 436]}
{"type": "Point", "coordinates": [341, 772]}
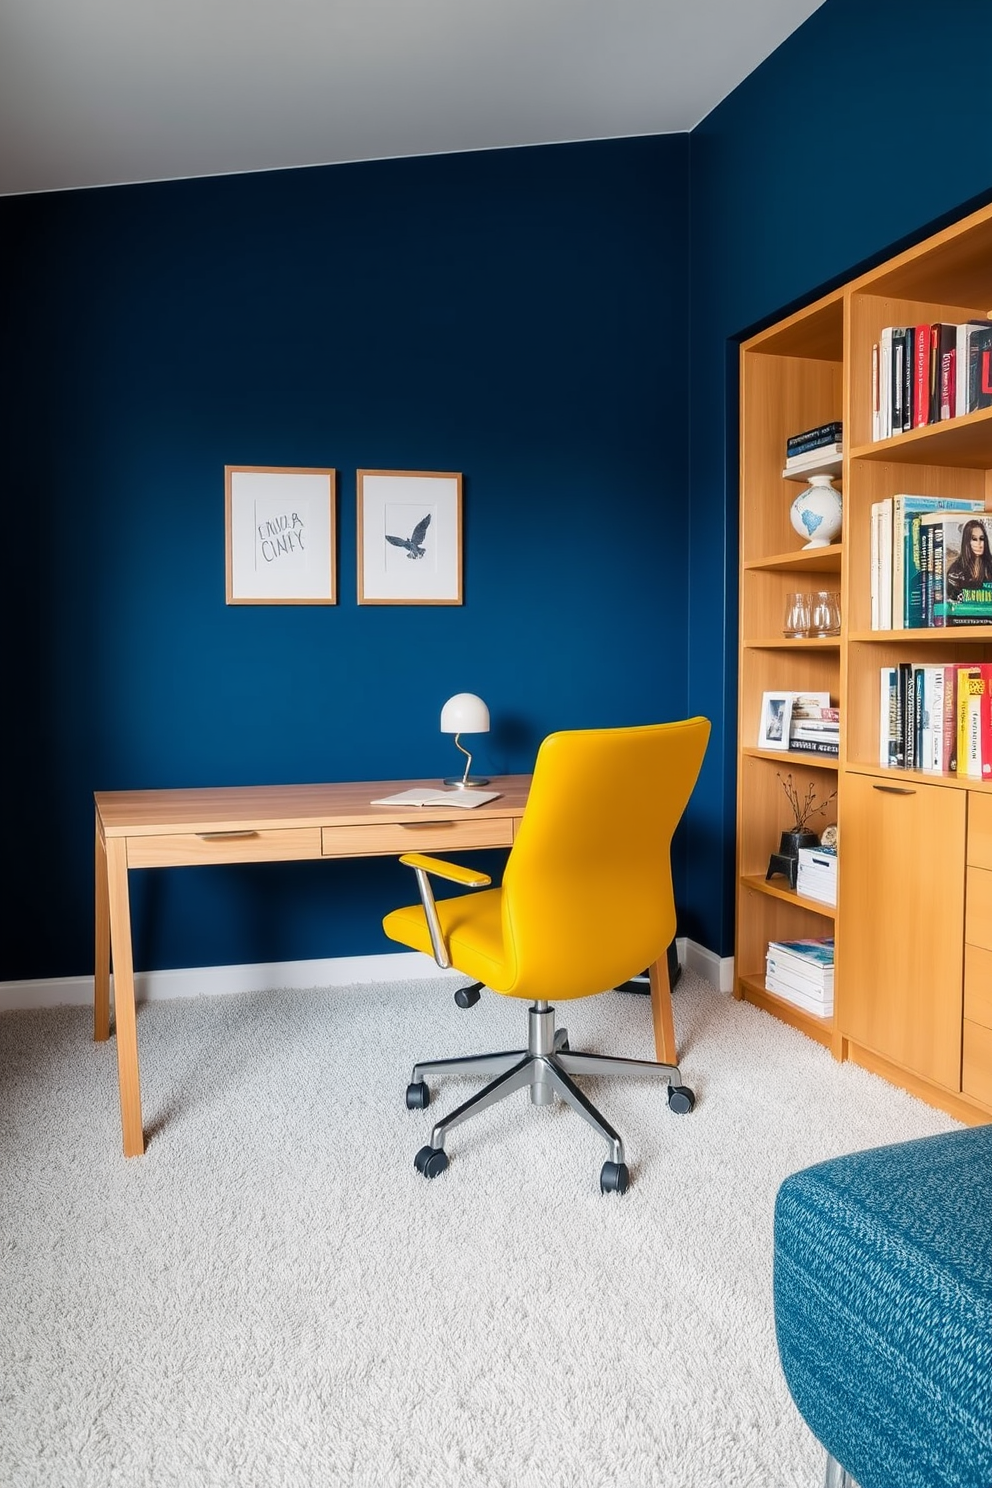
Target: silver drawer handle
{"type": "Point", "coordinates": [895, 790]}
{"type": "Point", "coordinates": [225, 836]}
{"type": "Point", "coordinates": [418, 826]}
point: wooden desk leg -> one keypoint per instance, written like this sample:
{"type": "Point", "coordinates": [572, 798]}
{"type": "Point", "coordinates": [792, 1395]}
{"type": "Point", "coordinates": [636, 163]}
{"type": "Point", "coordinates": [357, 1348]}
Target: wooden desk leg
{"type": "Point", "coordinates": [661, 1012]}
{"type": "Point", "coordinates": [124, 1016]}
{"type": "Point", "coordinates": [101, 964]}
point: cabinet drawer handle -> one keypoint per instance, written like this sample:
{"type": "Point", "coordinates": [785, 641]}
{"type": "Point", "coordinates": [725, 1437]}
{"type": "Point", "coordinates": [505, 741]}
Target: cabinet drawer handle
{"type": "Point", "coordinates": [225, 836]}
{"type": "Point", "coordinates": [895, 790]}
{"type": "Point", "coordinates": [418, 826]}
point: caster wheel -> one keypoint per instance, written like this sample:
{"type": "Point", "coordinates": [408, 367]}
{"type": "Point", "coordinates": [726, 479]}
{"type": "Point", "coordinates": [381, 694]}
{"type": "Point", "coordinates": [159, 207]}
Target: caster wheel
{"type": "Point", "coordinates": [562, 1045]}
{"type": "Point", "coordinates": [417, 1096]}
{"type": "Point", "coordinates": [431, 1161]}
{"type": "Point", "coordinates": [467, 997]}
{"type": "Point", "coordinates": [680, 1099]}
{"type": "Point", "coordinates": [614, 1178]}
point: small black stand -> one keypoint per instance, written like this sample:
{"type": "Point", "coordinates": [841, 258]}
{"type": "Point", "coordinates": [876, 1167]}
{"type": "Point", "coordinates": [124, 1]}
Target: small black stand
{"type": "Point", "coordinates": [786, 860]}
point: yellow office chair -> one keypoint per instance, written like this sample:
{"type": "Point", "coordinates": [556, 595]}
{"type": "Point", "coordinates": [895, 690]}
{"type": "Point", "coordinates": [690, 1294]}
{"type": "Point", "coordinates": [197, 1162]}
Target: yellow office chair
{"type": "Point", "coordinates": [586, 903]}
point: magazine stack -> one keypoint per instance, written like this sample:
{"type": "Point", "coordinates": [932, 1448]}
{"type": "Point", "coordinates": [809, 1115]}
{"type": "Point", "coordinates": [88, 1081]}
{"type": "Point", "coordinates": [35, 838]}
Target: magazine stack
{"type": "Point", "coordinates": [816, 876]}
{"type": "Point", "coordinates": [802, 972]}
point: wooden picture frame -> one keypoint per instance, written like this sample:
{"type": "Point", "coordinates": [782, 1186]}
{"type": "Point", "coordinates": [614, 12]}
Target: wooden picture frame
{"type": "Point", "coordinates": [776, 714]}
{"type": "Point", "coordinates": [280, 534]}
{"type": "Point", "coordinates": [409, 537]}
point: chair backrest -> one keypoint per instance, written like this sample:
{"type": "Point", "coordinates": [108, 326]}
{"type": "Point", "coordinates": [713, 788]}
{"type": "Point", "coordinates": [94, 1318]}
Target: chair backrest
{"type": "Point", "coordinates": [587, 891]}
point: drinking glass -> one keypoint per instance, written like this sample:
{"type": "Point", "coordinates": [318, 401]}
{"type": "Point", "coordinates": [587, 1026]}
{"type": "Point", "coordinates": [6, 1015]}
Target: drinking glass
{"type": "Point", "coordinates": [796, 624]}
{"type": "Point", "coordinates": [824, 613]}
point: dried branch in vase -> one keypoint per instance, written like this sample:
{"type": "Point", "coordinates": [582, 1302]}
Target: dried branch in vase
{"type": "Point", "coordinates": [808, 806]}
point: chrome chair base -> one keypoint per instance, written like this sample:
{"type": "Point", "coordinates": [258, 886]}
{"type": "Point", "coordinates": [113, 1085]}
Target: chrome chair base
{"type": "Point", "coordinates": [546, 1068]}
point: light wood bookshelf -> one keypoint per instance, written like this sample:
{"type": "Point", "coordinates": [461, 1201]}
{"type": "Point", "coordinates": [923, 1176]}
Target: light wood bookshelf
{"type": "Point", "coordinates": [905, 993]}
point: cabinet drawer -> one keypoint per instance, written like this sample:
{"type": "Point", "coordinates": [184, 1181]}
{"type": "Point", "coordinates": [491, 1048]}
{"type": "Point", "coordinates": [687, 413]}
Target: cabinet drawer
{"type": "Point", "coordinates": [979, 830]}
{"type": "Point", "coordinates": [278, 845]}
{"type": "Point", "coordinates": [978, 908]}
{"type": "Point", "coordinates": [416, 836]}
{"type": "Point", "coordinates": [976, 1065]}
{"type": "Point", "coordinates": [978, 985]}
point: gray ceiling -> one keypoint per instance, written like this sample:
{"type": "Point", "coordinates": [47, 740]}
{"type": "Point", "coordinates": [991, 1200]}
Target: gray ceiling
{"type": "Point", "coordinates": [94, 92]}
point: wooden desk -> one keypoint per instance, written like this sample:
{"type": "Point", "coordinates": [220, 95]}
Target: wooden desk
{"type": "Point", "coordinates": [269, 824]}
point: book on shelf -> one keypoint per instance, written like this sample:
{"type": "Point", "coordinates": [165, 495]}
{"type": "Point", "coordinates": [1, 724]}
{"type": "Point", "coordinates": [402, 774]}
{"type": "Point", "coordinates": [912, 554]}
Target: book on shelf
{"type": "Point", "coordinates": [943, 338]}
{"type": "Point", "coordinates": [807, 964]}
{"type": "Point", "coordinates": [823, 434]}
{"type": "Point", "coordinates": [822, 458]}
{"type": "Point", "coordinates": [828, 749]}
{"type": "Point", "coordinates": [962, 355]}
{"type": "Point", "coordinates": [820, 1006]}
{"type": "Point", "coordinates": [956, 574]}
{"type": "Point", "coordinates": [974, 761]}
{"type": "Point", "coordinates": [980, 369]}
{"type": "Point", "coordinates": [888, 718]}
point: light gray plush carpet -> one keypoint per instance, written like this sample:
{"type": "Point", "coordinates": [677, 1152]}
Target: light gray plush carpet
{"type": "Point", "coordinates": [274, 1298]}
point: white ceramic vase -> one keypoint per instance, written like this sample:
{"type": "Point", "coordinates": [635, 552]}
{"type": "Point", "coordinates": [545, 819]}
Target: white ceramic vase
{"type": "Point", "coordinates": [817, 512]}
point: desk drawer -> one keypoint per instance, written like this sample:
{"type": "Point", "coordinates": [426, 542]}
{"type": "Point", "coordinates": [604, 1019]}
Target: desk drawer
{"type": "Point", "coordinates": [416, 836]}
{"type": "Point", "coordinates": [976, 1065]}
{"type": "Point", "coordinates": [275, 845]}
{"type": "Point", "coordinates": [979, 829]}
{"type": "Point", "coordinates": [978, 908]}
{"type": "Point", "coordinates": [978, 985]}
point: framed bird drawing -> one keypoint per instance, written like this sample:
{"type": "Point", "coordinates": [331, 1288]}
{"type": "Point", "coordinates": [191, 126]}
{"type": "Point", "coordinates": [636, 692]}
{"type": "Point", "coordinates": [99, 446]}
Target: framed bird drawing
{"type": "Point", "coordinates": [409, 537]}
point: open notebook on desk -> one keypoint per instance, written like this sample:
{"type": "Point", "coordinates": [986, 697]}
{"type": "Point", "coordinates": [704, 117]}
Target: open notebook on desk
{"type": "Point", "coordinates": [464, 798]}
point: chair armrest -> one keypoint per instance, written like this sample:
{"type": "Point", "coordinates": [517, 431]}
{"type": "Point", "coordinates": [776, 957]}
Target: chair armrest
{"type": "Point", "coordinates": [422, 865]}
{"type": "Point", "coordinates": [468, 876]}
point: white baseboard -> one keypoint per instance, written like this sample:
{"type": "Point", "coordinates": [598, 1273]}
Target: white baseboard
{"type": "Point", "coordinates": [717, 970]}
{"type": "Point", "coordinates": [334, 971]}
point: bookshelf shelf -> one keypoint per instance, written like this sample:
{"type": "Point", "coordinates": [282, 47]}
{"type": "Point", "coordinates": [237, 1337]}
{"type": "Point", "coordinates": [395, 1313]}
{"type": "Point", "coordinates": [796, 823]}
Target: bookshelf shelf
{"type": "Point", "coordinates": [820, 1029]}
{"type": "Point", "coordinates": [818, 560]}
{"type": "Point", "coordinates": [775, 890]}
{"type": "Point", "coordinates": [908, 839]}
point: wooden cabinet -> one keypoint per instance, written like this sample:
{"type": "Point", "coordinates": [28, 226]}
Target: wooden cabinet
{"type": "Point", "coordinates": [912, 970]}
{"type": "Point", "coordinates": [902, 962]}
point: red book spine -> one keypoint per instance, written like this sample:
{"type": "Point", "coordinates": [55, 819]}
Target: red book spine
{"type": "Point", "coordinates": [921, 376]}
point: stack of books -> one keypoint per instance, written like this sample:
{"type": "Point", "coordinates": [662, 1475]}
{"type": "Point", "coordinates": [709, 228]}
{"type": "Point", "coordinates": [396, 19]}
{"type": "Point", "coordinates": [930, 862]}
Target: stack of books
{"type": "Point", "coordinates": [814, 729]}
{"type": "Point", "coordinates": [802, 972]}
{"type": "Point", "coordinates": [813, 450]}
{"type": "Point", "coordinates": [816, 877]}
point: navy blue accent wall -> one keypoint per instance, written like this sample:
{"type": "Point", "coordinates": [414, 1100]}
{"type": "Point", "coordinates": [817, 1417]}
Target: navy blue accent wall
{"type": "Point", "coordinates": [519, 316]}
{"type": "Point", "coordinates": [866, 128]}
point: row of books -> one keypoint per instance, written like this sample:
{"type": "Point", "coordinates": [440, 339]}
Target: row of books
{"type": "Point", "coordinates": [907, 590]}
{"type": "Point", "coordinates": [811, 448]}
{"type": "Point", "coordinates": [926, 373]}
{"type": "Point", "coordinates": [802, 972]}
{"type": "Point", "coordinates": [937, 718]}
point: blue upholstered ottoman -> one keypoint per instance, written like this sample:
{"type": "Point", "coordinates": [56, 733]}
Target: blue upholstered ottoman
{"type": "Point", "coordinates": [883, 1310]}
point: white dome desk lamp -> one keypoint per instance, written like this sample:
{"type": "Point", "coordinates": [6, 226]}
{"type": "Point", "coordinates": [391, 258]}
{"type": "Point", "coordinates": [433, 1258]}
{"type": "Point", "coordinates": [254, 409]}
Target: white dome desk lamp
{"type": "Point", "coordinates": [465, 714]}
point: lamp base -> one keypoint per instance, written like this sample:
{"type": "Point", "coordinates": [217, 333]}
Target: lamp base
{"type": "Point", "coordinates": [467, 780]}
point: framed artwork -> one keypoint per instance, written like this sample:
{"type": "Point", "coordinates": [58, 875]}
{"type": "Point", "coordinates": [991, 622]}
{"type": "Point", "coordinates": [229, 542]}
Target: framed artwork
{"type": "Point", "coordinates": [409, 537]}
{"type": "Point", "coordinates": [776, 714]}
{"type": "Point", "coordinates": [280, 534]}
